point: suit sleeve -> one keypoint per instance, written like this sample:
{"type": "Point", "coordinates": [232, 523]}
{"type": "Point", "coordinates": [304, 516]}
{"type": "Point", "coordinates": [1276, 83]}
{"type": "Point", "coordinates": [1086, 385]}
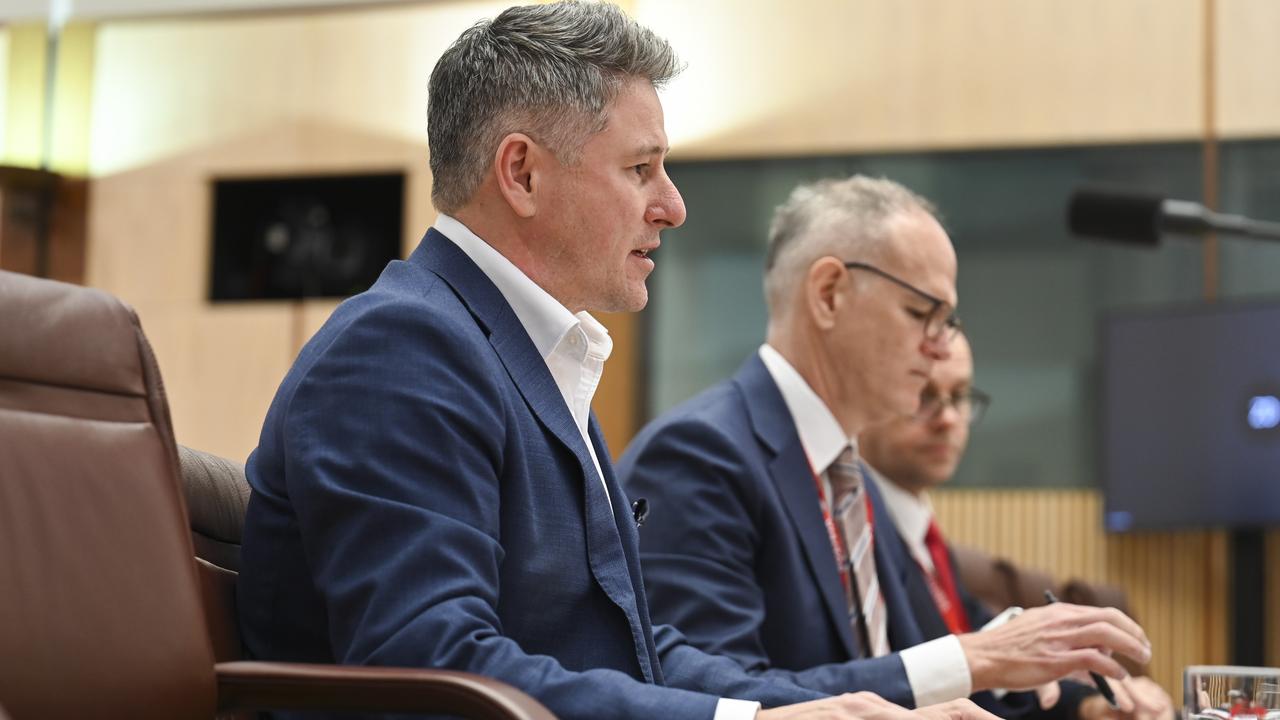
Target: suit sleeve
{"type": "Point", "coordinates": [699, 553]}
{"type": "Point", "coordinates": [394, 451]}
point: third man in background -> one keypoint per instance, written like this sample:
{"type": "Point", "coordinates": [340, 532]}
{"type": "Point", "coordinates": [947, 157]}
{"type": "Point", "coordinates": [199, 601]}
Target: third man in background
{"type": "Point", "coordinates": [911, 455]}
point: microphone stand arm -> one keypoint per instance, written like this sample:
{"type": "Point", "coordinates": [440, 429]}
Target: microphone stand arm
{"type": "Point", "coordinates": [1188, 217]}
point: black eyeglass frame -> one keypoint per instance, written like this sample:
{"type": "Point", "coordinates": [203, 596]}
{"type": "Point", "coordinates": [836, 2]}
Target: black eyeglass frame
{"type": "Point", "coordinates": [949, 326]}
{"type": "Point", "coordinates": [977, 400]}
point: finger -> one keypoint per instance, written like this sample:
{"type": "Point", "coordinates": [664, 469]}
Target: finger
{"type": "Point", "coordinates": [1149, 699]}
{"type": "Point", "coordinates": [1105, 636]}
{"type": "Point", "coordinates": [1048, 695]}
{"type": "Point", "coordinates": [869, 706]}
{"type": "Point", "coordinates": [1118, 620]}
{"type": "Point", "coordinates": [965, 709]}
{"type": "Point", "coordinates": [1091, 660]}
{"type": "Point", "coordinates": [871, 699]}
{"type": "Point", "coordinates": [1124, 698]}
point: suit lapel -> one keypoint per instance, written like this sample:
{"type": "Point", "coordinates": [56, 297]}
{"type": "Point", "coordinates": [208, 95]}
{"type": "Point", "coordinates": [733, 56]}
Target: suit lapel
{"type": "Point", "coordinates": [629, 543]}
{"type": "Point", "coordinates": [533, 380]}
{"type": "Point", "coordinates": [509, 340]}
{"type": "Point", "coordinates": [791, 473]}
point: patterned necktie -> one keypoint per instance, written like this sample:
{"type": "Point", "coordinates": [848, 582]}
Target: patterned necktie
{"type": "Point", "coordinates": [866, 604]}
{"type": "Point", "coordinates": [942, 583]}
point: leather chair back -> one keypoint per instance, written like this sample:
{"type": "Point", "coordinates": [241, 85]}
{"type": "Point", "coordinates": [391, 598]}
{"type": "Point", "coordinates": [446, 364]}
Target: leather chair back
{"type": "Point", "coordinates": [100, 593]}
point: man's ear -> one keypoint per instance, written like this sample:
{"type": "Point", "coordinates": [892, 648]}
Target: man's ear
{"type": "Point", "coordinates": [823, 284]}
{"type": "Point", "coordinates": [516, 166]}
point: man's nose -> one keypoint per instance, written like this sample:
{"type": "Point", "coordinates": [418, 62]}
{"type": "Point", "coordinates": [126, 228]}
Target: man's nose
{"type": "Point", "coordinates": [667, 208]}
{"type": "Point", "coordinates": [937, 348]}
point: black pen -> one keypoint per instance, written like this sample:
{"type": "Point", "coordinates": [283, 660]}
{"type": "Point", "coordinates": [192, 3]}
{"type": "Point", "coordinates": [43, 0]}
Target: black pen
{"type": "Point", "coordinates": [1103, 686]}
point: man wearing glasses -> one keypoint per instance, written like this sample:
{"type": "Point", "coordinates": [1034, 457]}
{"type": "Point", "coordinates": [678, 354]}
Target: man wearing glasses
{"type": "Point", "coordinates": [909, 456]}
{"type": "Point", "coordinates": [763, 541]}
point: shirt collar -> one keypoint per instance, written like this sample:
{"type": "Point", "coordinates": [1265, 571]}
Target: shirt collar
{"type": "Point", "coordinates": [911, 514]}
{"type": "Point", "coordinates": [820, 433]}
{"type": "Point", "coordinates": [543, 317]}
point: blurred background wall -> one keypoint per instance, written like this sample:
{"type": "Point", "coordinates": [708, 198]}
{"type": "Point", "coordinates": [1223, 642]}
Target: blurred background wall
{"type": "Point", "coordinates": [970, 102]}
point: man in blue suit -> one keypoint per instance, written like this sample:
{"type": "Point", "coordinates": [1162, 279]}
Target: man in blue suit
{"type": "Point", "coordinates": [756, 543]}
{"type": "Point", "coordinates": [430, 488]}
{"type": "Point", "coordinates": [911, 455]}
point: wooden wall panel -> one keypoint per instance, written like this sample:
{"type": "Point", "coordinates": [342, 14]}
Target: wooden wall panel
{"type": "Point", "coordinates": [1175, 582]}
{"type": "Point", "coordinates": [221, 366]}
{"type": "Point", "coordinates": [831, 76]}
{"type": "Point", "coordinates": [1248, 82]}
{"type": "Point", "coordinates": [617, 399]}
{"type": "Point", "coordinates": [150, 242]}
{"type": "Point", "coordinates": [163, 87]}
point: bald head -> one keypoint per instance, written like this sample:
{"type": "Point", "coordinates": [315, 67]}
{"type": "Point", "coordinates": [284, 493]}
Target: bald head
{"type": "Point", "coordinates": [921, 452]}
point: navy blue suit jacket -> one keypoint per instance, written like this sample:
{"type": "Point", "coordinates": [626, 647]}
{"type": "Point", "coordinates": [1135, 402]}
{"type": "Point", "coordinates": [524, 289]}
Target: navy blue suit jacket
{"type": "Point", "coordinates": [423, 498]}
{"type": "Point", "coordinates": [735, 551]}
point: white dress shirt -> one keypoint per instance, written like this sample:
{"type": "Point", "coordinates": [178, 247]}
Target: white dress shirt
{"type": "Point", "coordinates": [574, 348]}
{"type": "Point", "coordinates": [911, 514]}
{"type": "Point", "coordinates": [936, 670]}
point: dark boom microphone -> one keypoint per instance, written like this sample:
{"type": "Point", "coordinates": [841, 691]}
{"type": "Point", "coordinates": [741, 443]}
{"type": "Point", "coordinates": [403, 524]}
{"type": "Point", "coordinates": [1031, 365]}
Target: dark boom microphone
{"type": "Point", "coordinates": [1141, 218]}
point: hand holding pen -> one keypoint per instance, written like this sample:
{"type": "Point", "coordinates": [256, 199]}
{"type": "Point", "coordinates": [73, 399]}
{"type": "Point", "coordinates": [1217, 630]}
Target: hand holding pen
{"type": "Point", "coordinates": [1100, 682]}
{"type": "Point", "coordinates": [1044, 644]}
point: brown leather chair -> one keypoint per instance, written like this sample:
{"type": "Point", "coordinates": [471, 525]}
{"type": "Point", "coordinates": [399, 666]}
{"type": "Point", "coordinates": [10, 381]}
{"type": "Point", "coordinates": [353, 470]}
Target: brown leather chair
{"type": "Point", "coordinates": [999, 584]}
{"type": "Point", "coordinates": [984, 577]}
{"type": "Point", "coordinates": [100, 598]}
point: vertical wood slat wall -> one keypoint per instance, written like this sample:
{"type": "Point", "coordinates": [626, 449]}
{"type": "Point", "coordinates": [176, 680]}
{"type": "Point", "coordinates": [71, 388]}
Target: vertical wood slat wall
{"type": "Point", "coordinates": [1177, 582]}
{"type": "Point", "coordinates": [1272, 560]}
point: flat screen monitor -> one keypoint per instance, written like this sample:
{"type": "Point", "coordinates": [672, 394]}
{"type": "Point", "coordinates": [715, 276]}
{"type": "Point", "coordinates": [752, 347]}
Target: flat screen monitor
{"type": "Point", "coordinates": [318, 236]}
{"type": "Point", "coordinates": [1191, 417]}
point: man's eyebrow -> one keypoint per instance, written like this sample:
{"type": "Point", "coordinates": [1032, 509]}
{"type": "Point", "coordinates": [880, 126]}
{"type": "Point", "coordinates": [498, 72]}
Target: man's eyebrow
{"type": "Point", "coordinates": [652, 150]}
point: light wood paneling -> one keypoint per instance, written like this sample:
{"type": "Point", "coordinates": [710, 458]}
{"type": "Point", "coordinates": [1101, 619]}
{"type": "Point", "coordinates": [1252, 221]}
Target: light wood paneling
{"type": "Point", "coordinates": [1175, 582]}
{"type": "Point", "coordinates": [617, 399]}
{"type": "Point", "coordinates": [4, 88]}
{"type": "Point", "coordinates": [1248, 60]}
{"type": "Point", "coordinates": [149, 244]}
{"type": "Point", "coordinates": [221, 366]}
{"type": "Point", "coordinates": [831, 76]}
{"type": "Point", "coordinates": [26, 50]}
{"type": "Point", "coordinates": [162, 88]}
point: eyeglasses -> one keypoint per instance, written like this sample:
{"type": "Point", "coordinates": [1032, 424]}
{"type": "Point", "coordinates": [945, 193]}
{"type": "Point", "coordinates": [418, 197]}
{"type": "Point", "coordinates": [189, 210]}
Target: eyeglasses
{"type": "Point", "coordinates": [940, 324]}
{"type": "Point", "coordinates": [971, 405]}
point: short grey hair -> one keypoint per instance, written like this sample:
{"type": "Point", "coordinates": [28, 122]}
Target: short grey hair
{"type": "Point", "coordinates": [846, 218]}
{"type": "Point", "coordinates": [548, 71]}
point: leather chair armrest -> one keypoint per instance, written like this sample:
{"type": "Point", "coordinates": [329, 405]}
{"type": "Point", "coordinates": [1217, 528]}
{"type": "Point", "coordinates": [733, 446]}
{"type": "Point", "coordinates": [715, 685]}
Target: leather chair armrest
{"type": "Point", "coordinates": [246, 685]}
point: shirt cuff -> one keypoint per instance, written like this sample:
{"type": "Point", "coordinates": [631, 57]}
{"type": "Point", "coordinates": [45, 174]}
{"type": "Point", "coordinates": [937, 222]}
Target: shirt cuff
{"type": "Point", "coordinates": [1005, 616]}
{"type": "Point", "coordinates": [937, 671]}
{"type": "Point", "coordinates": [728, 709]}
